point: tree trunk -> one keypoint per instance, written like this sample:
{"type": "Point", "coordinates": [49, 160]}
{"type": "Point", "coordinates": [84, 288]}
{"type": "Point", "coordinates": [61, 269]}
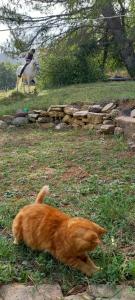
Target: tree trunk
{"type": "Point", "coordinates": [124, 44]}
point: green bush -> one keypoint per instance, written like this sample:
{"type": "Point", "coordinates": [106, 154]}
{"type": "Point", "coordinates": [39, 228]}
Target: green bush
{"type": "Point", "coordinates": [56, 70]}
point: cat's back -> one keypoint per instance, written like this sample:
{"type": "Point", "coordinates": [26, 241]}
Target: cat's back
{"type": "Point", "coordinates": [42, 211]}
{"type": "Point", "coordinates": [38, 224]}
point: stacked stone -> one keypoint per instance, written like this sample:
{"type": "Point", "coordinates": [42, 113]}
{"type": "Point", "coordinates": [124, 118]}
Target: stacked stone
{"type": "Point", "coordinates": [105, 118]}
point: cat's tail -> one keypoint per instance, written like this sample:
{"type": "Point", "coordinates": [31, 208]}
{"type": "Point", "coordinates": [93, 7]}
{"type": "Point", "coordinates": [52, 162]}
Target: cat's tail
{"type": "Point", "coordinates": [43, 192]}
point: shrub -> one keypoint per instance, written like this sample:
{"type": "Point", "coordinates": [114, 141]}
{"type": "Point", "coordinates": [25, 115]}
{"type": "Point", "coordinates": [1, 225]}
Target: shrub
{"type": "Point", "coordinates": [59, 70]}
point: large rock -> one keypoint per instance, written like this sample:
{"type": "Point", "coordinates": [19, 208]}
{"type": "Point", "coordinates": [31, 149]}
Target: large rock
{"type": "Point", "coordinates": [20, 121]}
{"type": "Point", "coordinates": [77, 122]}
{"type": "Point", "coordinates": [21, 113]}
{"type": "Point", "coordinates": [67, 119]}
{"type": "Point", "coordinates": [95, 118]}
{"type": "Point", "coordinates": [127, 124]}
{"type": "Point", "coordinates": [70, 110]}
{"type": "Point", "coordinates": [107, 129]}
{"type": "Point", "coordinates": [22, 292]}
{"type": "Point", "coordinates": [108, 107]}
{"type": "Point", "coordinates": [95, 108]}
{"type": "Point", "coordinates": [105, 292]}
{"type": "Point", "coordinates": [102, 292]}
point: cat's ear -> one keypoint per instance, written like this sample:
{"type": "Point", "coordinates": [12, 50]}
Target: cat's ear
{"type": "Point", "coordinates": [101, 230]}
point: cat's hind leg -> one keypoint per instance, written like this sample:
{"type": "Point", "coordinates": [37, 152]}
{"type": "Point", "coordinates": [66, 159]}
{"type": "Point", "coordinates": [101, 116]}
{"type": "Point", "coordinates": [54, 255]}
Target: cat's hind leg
{"type": "Point", "coordinates": [17, 229]}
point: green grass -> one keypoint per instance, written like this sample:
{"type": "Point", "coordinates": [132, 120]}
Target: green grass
{"type": "Point", "coordinates": [84, 93]}
{"type": "Point", "coordinates": [89, 176]}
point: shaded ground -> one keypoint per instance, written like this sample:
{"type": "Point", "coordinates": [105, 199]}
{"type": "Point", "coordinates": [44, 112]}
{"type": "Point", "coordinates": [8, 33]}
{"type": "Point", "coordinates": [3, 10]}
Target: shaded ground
{"type": "Point", "coordinates": [89, 176]}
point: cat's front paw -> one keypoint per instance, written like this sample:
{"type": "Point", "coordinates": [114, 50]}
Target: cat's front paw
{"type": "Point", "coordinates": [15, 242]}
{"type": "Point", "coordinates": [91, 271]}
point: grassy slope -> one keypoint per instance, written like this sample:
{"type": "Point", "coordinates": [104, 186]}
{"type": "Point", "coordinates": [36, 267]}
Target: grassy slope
{"type": "Point", "coordinates": [89, 176]}
{"type": "Point", "coordinates": [90, 93]}
{"type": "Point", "coordinates": [103, 189]}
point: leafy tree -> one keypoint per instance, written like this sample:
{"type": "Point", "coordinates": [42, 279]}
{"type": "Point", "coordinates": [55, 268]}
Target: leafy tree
{"type": "Point", "coordinates": [113, 24]}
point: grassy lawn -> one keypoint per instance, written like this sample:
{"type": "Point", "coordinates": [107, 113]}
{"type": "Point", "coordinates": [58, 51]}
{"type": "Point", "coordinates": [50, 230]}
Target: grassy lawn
{"type": "Point", "coordinates": [86, 93]}
{"type": "Point", "coordinates": [89, 176]}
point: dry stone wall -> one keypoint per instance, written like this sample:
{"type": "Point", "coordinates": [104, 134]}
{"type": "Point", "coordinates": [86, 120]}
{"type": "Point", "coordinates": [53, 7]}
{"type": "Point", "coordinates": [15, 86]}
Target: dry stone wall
{"type": "Point", "coordinates": [106, 119]}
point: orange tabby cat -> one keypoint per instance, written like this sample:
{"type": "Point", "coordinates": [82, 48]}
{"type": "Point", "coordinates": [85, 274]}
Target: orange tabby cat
{"type": "Point", "coordinates": [44, 227]}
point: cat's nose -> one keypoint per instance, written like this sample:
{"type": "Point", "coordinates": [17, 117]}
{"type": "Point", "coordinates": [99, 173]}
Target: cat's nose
{"type": "Point", "coordinates": [98, 242]}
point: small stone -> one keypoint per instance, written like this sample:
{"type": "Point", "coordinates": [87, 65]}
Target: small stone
{"type": "Point", "coordinates": [3, 124]}
{"type": "Point", "coordinates": [20, 121]}
{"type": "Point", "coordinates": [56, 108]}
{"type": "Point", "coordinates": [37, 111]}
{"type": "Point", "coordinates": [133, 137]}
{"type": "Point", "coordinates": [114, 113]}
{"type": "Point", "coordinates": [43, 113]}
{"type": "Point", "coordinates": [131, 146]}
{"type": "Point", "coordinates": [81, 113]}
{"type": "Point", "coordinates": [61, 126]}
{"type": "Point", "coordinates": [108, 107]}
{"type": "Point", "coordinates": [118, 131]}
{"type": "Point", "coordinates": [107, 122]}
{"type": "Point", "coordinates": [43, 120]}
{"type": "Point", "coordinates": [95, 108]}
{"type": "Point", "coordinates": [107, 129]}
{"type": "Point", "coordinates": [107, 117]}
{"type": "Point", "coordinates": [32, 117]}
{"type": "Point", "coordinates": [133, 113]}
